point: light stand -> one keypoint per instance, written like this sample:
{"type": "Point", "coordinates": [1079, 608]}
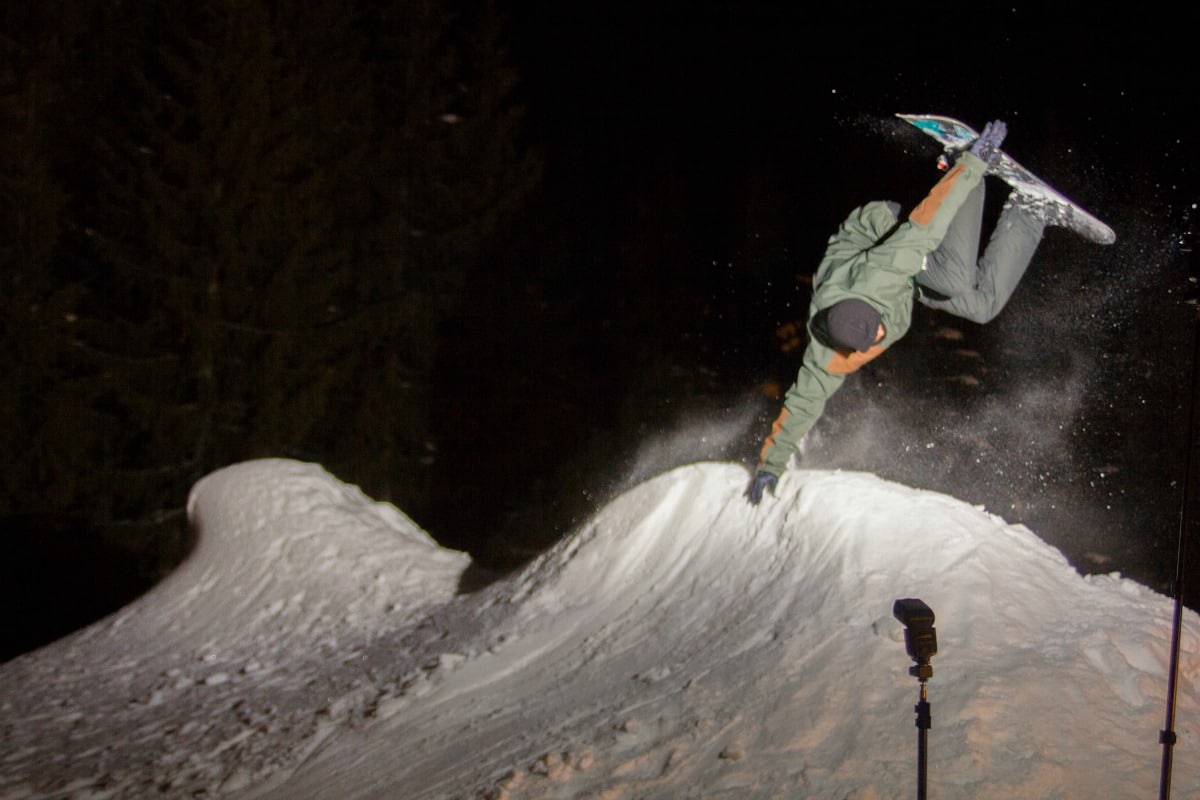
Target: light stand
{"type": "Point", "coordinates": [920, 640]}
{"type": "Point", "coordinates": [1166, 736]}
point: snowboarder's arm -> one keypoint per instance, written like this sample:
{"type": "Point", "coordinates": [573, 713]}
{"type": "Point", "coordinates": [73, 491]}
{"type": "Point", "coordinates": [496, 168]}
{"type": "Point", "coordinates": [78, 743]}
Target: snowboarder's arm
{"type": "Point", "coordinates": [802, 407]}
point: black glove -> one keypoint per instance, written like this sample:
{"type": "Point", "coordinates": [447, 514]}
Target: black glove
{"type": "Point", "coordinates": [762, 481]}
{"type": "Point", "coordinates": [987, 146]}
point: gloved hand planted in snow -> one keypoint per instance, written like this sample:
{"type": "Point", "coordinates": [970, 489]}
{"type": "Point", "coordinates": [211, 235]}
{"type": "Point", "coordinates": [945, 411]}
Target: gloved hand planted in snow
{"type": "Point", "coordinates": [763, 481]}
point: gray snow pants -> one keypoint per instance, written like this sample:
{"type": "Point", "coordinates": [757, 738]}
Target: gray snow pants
{"type": "Point", "coordinates": [978, 287]}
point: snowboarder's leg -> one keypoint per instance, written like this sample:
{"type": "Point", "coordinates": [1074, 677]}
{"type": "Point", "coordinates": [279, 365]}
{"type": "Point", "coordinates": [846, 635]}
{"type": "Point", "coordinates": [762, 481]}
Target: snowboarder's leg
{"type": "Point", "coordinates": [951, 269]}
{"type": "Point", "coordinates": [1001, 268]}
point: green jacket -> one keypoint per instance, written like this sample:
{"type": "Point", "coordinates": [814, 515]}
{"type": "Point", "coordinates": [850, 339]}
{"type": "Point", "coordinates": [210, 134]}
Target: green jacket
{"type": "Point", "coordinates": [864, 261]}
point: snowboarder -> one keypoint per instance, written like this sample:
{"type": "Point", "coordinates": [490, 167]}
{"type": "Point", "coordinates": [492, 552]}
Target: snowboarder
{"type": "Point", "coordinates": [874, 267]}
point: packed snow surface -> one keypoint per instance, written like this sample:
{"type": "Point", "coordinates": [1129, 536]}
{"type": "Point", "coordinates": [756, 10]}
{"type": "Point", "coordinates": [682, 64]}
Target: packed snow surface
{"type": "Point", "coordinates": [681, 643]}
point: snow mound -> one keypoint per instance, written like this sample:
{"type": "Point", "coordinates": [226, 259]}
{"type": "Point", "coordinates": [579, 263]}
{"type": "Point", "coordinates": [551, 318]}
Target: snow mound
{"type": "Point", "coordinates": [679, 644]}
{"type": "Point", "coordinates": [285, 541]}
{"type": "Point", "coordinates": [237, 661]}
{"type": "Point", "coordinates": [684, 645]}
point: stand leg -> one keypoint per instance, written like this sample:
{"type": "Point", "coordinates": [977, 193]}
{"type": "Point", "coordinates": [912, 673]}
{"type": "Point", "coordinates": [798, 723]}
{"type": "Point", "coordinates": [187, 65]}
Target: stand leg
{"type": "Point", "coordinates": [924, 722]}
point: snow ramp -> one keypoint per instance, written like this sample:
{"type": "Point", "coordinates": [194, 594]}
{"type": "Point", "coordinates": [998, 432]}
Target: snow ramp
{"type": "Point", "coordinates": [684, 644]}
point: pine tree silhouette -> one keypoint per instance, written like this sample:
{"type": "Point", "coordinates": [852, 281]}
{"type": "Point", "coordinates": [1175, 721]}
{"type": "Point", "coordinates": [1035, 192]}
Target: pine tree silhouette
{"type": "Point", "coordinates": [270, 208]}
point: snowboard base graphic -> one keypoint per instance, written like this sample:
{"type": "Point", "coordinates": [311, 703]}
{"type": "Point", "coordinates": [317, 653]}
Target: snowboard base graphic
{"type": "Point", "coordinates": [957, 136]}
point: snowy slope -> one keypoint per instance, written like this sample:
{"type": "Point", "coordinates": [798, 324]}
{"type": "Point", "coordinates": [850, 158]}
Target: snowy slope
{"type": "Point", "coordinates": [680, 644]}
{"type": "Point", "coordinates": [236, 663]}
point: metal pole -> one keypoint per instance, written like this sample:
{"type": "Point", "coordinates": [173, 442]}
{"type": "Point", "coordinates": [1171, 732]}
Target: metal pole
{"type": "Point", "coordinates": [924, 720]}
{"type": "Point", "coordinates": [1166, 737]}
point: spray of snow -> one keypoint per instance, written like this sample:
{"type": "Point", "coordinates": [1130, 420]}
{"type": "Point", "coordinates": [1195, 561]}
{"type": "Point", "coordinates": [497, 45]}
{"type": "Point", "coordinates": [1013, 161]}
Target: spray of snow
{"type": "Point", "coordinates": [698, 435]}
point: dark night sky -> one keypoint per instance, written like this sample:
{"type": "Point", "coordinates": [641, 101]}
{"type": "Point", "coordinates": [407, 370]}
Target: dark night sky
{"type": "Point", "coordinates": [707, 94]}
{"type": "Point", "coordinates": [711, 80]}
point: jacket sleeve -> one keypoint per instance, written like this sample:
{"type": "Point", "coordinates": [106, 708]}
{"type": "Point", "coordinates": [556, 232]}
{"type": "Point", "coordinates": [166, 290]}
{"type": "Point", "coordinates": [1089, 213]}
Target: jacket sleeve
{"type": "Point", "coordinates": [802, 406]}
{"type": "Point", "coordinates": [926, 226]}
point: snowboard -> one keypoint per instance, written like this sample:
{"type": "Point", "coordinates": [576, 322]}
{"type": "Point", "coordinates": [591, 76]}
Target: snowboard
{"type": "Point", "coordinates": [957, 136]}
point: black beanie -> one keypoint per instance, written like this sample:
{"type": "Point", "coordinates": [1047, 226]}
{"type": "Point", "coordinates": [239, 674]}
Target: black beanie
{"type": "Point", "coordinates": [853, 325]}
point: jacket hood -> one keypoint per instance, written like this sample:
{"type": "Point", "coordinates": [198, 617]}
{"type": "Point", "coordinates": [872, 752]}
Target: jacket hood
{"type": "Point", "coordinates": [871, 222]}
